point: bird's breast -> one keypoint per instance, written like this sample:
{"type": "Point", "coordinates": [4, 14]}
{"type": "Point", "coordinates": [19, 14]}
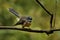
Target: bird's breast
{"type": "Point", "coordinates": [27, 24]}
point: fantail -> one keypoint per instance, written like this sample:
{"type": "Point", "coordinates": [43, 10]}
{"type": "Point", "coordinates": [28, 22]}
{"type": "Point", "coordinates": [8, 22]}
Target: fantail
{"type": "Point", "coordinates": [25, 21]}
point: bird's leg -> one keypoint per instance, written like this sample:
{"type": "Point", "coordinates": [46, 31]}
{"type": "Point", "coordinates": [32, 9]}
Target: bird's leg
{"type": "Point", "coordinates": [23, 26]}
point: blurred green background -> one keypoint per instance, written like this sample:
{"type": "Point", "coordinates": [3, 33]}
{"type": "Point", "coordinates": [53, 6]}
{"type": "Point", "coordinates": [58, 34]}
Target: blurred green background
{"type": "Point", "coordinates": [29, 8]}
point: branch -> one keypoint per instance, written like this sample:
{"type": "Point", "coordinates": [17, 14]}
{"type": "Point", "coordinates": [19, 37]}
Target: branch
{"type": "Point", "coordinates": [23, 29]}
{"type": "Point", "coordinates": [43, 7]}
{"type": "Point", "coordinates": [30, 30]}
{"type": "Point", "coordinates": [51, 19]}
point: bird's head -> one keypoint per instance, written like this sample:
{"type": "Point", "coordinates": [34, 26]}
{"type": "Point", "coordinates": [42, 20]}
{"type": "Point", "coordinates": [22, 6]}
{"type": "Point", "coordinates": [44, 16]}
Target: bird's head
{"type": "Point", "coordinates": [29, 19]}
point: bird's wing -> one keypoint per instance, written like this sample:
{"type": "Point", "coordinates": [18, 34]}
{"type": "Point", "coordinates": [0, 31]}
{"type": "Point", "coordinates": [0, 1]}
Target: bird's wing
{"type": "Point", "coordinates": [14, 12]}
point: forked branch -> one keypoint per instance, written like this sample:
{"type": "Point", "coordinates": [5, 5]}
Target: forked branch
{"type": "Point", "coordinates": [51, 19]}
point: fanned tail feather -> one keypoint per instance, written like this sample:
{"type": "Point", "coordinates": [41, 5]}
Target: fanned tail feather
{"type": "Point", "coordinates": [14, 12]}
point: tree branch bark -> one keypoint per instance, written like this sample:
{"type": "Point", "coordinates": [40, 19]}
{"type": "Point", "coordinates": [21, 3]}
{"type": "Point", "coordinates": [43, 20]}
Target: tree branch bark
{"type": "Point", "coordinates": [43, 7]}
{"type": "Point", "coordinates": [30, 30]}
{"type": "Point", "coordinates": [51, 19]}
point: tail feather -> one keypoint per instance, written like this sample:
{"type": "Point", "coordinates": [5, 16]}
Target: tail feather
{"type": "Point", "coordinates": [14, 12]}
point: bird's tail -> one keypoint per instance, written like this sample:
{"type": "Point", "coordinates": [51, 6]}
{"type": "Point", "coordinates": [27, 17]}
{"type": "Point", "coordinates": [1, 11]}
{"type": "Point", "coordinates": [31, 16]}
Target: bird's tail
{"type": "Point", "coordinates": [14, 12]}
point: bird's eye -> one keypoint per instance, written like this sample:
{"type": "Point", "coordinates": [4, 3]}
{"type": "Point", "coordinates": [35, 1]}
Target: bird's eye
{"type": "Point", "coordinates": [29, 18]}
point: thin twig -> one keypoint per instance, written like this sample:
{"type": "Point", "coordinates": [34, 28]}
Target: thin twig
{"type": "Point", "coordinates": [43, 7]}
{"type": "Point", "coordinates": [51, 20]}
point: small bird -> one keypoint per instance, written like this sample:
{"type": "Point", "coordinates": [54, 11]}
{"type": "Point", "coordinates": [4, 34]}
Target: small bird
{"type": "Point", "coordinates": [25, 21]}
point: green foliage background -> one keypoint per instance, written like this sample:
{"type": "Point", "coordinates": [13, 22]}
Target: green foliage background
{"type": "Point", "coordinates": [31, 8]}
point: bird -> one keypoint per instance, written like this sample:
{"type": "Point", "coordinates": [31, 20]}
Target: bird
{"type": "Point", "coordinates": [25, 21]}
